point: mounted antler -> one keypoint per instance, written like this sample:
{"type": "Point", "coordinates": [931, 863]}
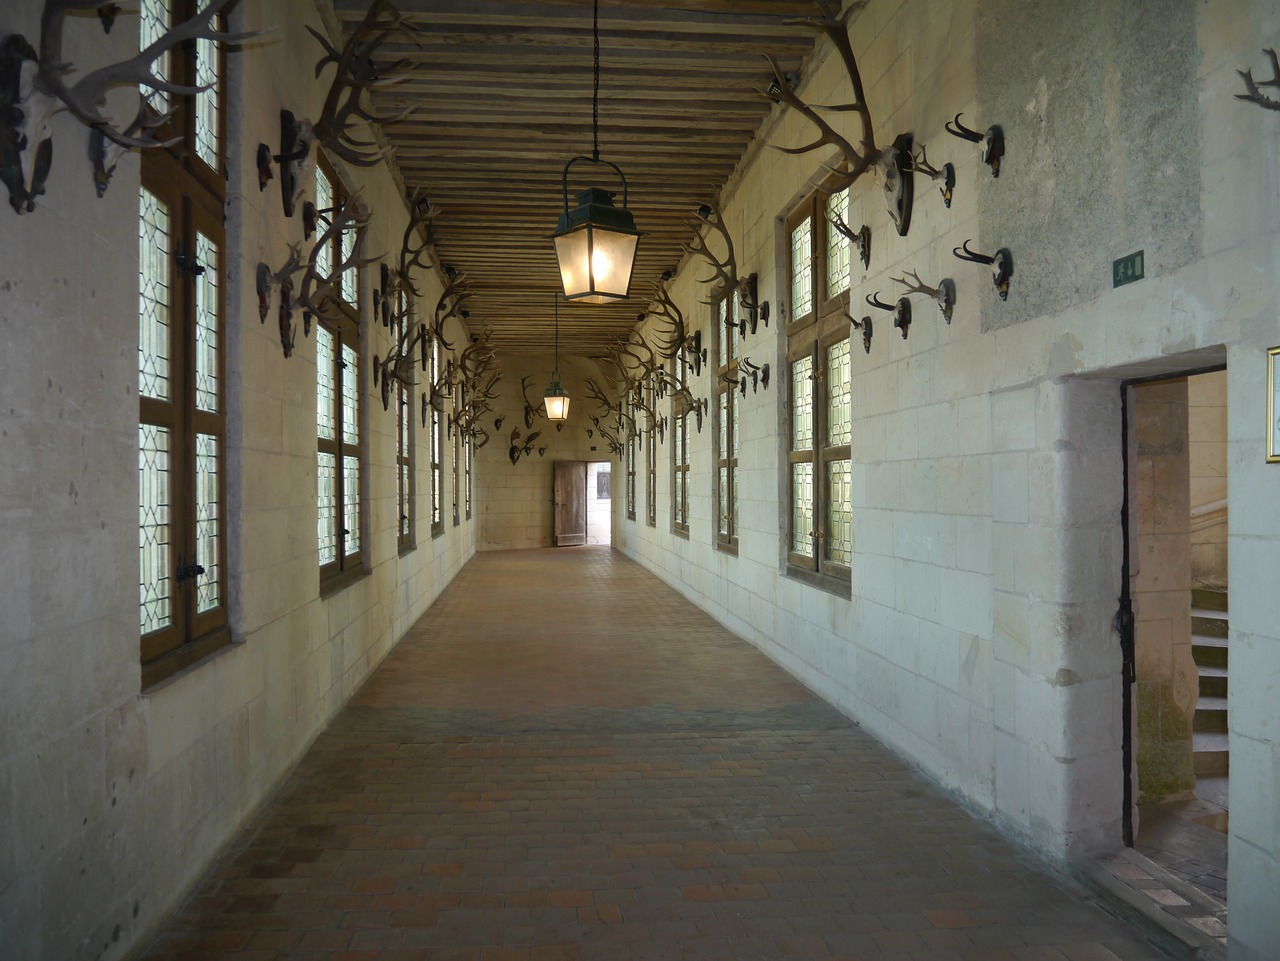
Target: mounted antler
{"type": "Point", "coordinates": [867, 327]}
{"type": "Point", "coordinates": [901, 311]}
{"type": "Point", "coordinates": [992, 142]}
{"type": "Point", "coordinates": [724, 276]}
{"type": "Point", "coordinates": [1002, 260]}
{"type": "Point", "coordinates": [530, 412]}
{"type": "Point", "coordinates": [417, 241]}
{"type": "Point", "coordinates": [269, 280]}
{"type": "Point", "coordinates": [663, 307]}
{"type": "Point", "coordinates": [920, 164]}
{"type": "Point", "coordinates": [450, 303]}
{"type": "Point", "coordinates": [759, 374]}
{"type": "Point", "coordinates": [1255, 95]}
{"type": "Point", "coordinates": [34, 87]}
{"type": "Point", "coordinates": [835, 25]}
{"type": "Point", "coordinates": [860, 239]}
{"type": "Point", "coordinates": [944, 293]}
{"type": "Point", "coordinates": [320, 289]}
{"type": "Point", "coordinates": [355, 75]}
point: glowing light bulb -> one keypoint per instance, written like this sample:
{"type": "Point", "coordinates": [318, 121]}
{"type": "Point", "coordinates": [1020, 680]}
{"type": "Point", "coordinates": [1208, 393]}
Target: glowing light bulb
{"type": "Point", "coordinates": [601, 263]}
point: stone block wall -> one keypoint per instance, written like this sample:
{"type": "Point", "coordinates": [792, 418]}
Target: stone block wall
{"type": "Point", "coordinates": [113, 799]}
{"type": "Point", "coordinates": [988, 454]}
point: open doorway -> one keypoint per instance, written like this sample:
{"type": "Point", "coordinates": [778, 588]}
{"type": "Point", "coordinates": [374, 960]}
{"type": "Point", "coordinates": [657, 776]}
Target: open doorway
{"type": "Point", "coordinates": [599, 502]}
{"type": "Point", "coordinates": [1177, 582]}
{"type": "Point", "coordinates": [583, 499]}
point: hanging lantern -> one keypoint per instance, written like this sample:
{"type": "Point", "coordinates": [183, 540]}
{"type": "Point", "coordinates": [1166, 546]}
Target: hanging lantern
{"type": "Point", "coordinates": [596, 241]}
{"type": "Point", "coordinates": [555, 399]}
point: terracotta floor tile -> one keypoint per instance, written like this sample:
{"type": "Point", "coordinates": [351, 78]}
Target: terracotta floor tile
{"type": "Point", "coordinates": [565, 761]}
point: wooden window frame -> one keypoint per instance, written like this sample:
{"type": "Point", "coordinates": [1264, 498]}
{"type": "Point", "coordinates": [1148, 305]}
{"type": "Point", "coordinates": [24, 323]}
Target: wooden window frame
{"type": "Point", "coordinates": [726, 344]}
{"type": "Point", "coordinates": [457, 459]}
{"type": "Point", "coordinates": [406, 434]}
{"type": "Point", "coordinates": [435, 442]}
{"type": "Point", "coordinates": [194, 194]}
{"type": "Point", "coordinates": [651, 464]}
{"type": "Point", "coordinates": [405, 481]}
{"type": "Point", "coordinates": [680, 411]}
{"type": "Point", "coordinates": [811, 336]}
{"type": "Point", "coordinates": [348, 565]}
{"type": "Point", "coordinates": [468, 455]}
{"type": "Point", "coordinates": [633, 437]}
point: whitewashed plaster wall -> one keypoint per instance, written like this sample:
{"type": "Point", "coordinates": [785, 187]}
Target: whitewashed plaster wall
{"type": "Point", "coordinates": [515, 505]}
{"type": "Point", "coordinates": [114, 800]}
{"type": "Point", "coordinates": [987, 454]}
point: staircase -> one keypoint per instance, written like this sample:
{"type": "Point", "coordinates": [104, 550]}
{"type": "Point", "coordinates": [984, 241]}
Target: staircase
{"type": "Point", "coordinates": [1209, 650]}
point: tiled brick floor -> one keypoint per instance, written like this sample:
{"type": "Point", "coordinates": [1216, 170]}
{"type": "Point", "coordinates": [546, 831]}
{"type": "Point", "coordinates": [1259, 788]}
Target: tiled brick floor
{"type": "Point", "coordinates": [564, 761]}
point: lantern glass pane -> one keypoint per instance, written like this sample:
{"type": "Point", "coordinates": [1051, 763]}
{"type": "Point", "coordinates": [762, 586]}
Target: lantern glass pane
{"type": "Point", "coordinates": [612, 255]}
{"type": "Point", "coordinates": [557, 407]}
{"type": "Point", "coordinates": [571, 251]}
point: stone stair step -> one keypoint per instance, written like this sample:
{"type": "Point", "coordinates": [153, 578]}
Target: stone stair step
{"type": "Point", "coordinates": [1213, 685]}
{"type": "Point", "coordinates": [1209, 598]}
{"type": "Point", "coordinates": [1210, 623]}
{"type": "Point", "coordinates": [1209, 651]}
{"type": "Point", "coordinates": [1210, 715]}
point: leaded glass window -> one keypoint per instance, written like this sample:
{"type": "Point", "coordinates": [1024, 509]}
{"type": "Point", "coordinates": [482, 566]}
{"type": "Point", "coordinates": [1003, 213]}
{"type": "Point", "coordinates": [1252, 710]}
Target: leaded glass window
{"type": "Point", "coordinates": [154, 254]}
{"type": "Point", "coordinates": [726, 312]}
{"type": "Point", "coordinates": [436, 443]}
{"type": "Point", "coordinates": [633, 440]}
{"type": "Point", "coordinates": [339, 451]}
{"type": "Point", "coordinates": [181, 368]}
{"type": "Point", "coordinates": [819, 407]}
{"type": "Point", "coordinates": [651, 464]}
{"type": "Point", "coordinates": [802, 269]}
{"type": "Point", "coordinates": [404, 466]}
{"type": "Point", "coordinates": [838, 245]}
{"type": "Point", "coordinates": [208, 105]}
{"type": "Point", "coordinates": [324, 208]}
{"type": "Point", "coordinates": [153, 526]}
{"type": "Point", "coordinates": [680, 414]}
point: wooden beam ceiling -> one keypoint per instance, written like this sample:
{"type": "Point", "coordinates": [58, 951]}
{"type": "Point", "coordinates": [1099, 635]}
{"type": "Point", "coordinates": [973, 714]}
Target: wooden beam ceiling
{"type": "Point", "coordinates": [502, 98]}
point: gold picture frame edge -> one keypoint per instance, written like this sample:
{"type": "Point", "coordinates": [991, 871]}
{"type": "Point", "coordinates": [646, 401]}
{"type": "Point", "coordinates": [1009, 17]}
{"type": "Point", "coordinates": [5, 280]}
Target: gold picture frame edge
{"type": "Point", "coordinates": [1273, 445]}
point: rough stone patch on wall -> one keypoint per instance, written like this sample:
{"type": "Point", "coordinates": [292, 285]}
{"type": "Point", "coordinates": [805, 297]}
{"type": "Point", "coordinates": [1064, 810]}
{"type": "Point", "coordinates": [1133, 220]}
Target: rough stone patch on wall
{"type": "Point", "coordinates": [1099, 105]}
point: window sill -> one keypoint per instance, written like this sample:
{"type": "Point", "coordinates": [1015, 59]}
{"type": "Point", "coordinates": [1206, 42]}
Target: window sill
{"type": "Point", "coordinates": [407, 549]}
{"type": "Point", "coordinates": [683, 534]}
{"type": "Point", "coordinates": [839, 586]}
{"type": "Point", "coordinates": [437, 532]}
{"type": "Point", "coordinates": [730, 549]}
{"type": "Point", "coordinates": [186, 659]}
{"type": "Point", "coordinates": [340, 582]}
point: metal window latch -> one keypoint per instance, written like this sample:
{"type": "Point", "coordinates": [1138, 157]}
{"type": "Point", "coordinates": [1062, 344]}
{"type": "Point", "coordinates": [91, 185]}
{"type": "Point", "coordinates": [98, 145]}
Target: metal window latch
{"type": "Point", "coordinates": [189, 572]}
{"type": "Point", "coordinates": [187, 265]}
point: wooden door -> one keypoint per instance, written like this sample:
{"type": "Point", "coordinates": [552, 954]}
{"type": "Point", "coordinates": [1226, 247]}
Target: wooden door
{"type": "Point", "coordinates": [571, 503]}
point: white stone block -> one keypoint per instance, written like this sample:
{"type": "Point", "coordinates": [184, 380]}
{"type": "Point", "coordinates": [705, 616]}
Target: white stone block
{"type": "Point", "coordinates": [1013, 419]}
{"type": "Point", "coordinates": [1010, 488]}
{"type": "Point", "coordinates": [1013, 780]}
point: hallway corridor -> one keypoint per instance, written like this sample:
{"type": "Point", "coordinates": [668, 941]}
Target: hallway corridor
{"type": "Point", "coordinates": [565, 761]}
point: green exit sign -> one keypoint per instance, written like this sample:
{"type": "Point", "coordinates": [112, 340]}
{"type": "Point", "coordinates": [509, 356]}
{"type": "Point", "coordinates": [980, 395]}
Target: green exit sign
{"type": "Point", "coordinates": [1127, 269]}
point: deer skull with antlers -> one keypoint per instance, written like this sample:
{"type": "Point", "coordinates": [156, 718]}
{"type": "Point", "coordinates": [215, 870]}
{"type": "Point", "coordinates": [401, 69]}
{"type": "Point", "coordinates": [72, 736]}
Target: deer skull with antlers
{"type": "Point", "coordinates": [34, 87]}
{"type": "Point", "coordinates": [1253, 93]}
{"type": "Point", "coordinates": [901, 312]}
{"type": "Point", "coordinates": [892, 164]}
{"type": "Point", "coordinates": [944, 293]}
{"type": "Point", "coordinates": [355, 76]}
